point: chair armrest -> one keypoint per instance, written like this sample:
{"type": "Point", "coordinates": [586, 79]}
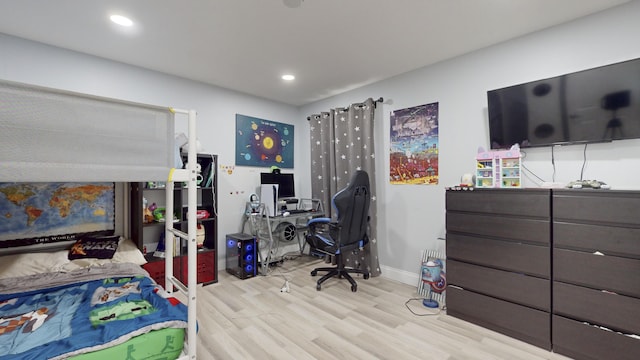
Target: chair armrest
{"type": "Point", "coordinates": [321, 224]}
{"type": "Point", "coordinates": [319, 220]}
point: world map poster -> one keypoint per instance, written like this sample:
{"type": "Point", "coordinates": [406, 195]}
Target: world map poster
{"type": "Point", "coordinates": [32, 213]}
{"type": "Point", "coordinates": [414, 145]}
{"type": "Point", "coordinates": [263, 143]}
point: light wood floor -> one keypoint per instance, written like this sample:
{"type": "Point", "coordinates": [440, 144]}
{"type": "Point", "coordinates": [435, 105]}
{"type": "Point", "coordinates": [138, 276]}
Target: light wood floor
{"type": "Point", "coordinates": [253, 319]}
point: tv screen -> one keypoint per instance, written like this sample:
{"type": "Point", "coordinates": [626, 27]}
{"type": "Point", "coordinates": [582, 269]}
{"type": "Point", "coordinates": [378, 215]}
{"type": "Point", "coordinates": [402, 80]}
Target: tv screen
{"type": "Point", "coordinates": [286, 188]}
{"type": "Point", "coordinates": [595, 105]}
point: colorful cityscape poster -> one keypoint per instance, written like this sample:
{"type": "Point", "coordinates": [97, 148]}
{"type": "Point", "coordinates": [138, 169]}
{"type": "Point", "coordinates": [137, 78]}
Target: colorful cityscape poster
{"type": "Point", "coordinates": [263, 143]}
{"type": "Point", "coordinates": [414, 145]}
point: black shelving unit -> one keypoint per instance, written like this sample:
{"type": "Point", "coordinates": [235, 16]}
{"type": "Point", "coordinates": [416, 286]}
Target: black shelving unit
{"type": "Point", "coordinates": [147, 234]}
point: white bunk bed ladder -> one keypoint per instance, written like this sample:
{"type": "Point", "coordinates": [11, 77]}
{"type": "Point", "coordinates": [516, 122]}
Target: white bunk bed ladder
{"type": "Point", "coordinates": [188, 175]}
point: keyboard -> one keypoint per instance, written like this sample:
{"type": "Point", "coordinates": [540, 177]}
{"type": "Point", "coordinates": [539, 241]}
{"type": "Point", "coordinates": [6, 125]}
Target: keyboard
{"type": "Point", "coordinates": [298, 211]}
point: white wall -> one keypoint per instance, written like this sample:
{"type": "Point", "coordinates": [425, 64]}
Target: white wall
{"type": "Point", "coordinates": [29, 62]}
{"type": "Point", "coordinates": [413, 217]}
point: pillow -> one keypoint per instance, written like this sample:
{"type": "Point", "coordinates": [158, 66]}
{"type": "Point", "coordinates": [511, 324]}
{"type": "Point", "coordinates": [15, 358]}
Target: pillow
{"type": "Point", "coordinates": [32, 263]}
{"type": "Point", "coordinates": [128, 252]}
{"type": "Point", "coordinates": [103, 247]}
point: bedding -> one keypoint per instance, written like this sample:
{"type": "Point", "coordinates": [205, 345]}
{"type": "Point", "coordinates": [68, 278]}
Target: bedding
{"type": "Point", "coordinates": [62, 314]}
{"type": "Point", "coordinates": [57, 261]}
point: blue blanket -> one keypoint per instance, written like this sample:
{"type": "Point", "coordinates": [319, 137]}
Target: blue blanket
{"type": "Point", "coordinates": [81, 317]}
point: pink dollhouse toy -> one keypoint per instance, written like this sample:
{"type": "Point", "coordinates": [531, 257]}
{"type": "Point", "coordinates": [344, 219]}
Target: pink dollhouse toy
{"type": "Point", "coordinates": [498, 168]}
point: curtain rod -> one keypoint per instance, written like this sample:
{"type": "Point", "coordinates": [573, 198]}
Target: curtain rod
{"type": "Point", "coordinates": [380, 99]}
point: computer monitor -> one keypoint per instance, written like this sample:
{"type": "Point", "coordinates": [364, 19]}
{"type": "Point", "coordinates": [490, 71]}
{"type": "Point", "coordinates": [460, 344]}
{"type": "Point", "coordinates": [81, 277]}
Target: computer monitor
{"type": "Point", "coordinates": [286, 188]}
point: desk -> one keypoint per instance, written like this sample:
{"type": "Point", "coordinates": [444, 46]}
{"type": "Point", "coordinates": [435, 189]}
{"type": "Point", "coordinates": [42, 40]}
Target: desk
{"type": "Point", "coordinates": [271, 230]}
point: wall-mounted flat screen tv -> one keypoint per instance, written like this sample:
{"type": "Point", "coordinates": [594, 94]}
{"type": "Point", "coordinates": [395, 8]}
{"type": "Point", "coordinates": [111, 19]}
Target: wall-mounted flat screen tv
{"type": "Point", "coordinates": [595, 105]}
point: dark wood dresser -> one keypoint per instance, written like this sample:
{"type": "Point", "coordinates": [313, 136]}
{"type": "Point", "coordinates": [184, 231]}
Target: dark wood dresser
{"type": "Point", "coordinates": [559, 269]}
{"type": "Point", "coordinates": [498, 261]}
{"type": "Point", "coordinates": [596, 274]}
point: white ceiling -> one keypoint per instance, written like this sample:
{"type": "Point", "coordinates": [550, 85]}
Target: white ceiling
{"type": "Point", "coordinates": [331, 46]}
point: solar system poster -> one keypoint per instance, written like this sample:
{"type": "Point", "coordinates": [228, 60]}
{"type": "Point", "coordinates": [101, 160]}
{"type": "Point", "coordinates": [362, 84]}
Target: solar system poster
{"type": "Point", "coordinates": [263, 143]}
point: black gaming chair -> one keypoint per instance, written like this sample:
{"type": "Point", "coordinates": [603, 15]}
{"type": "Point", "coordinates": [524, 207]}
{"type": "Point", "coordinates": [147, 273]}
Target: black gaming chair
{"type": "Point", "coordinates": [347, 233]}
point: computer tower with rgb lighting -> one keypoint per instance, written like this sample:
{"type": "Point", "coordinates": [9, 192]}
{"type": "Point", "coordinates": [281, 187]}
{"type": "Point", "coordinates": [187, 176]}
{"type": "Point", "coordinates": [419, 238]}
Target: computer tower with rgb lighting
{"type": "Point", "coordinates": [241, 255]}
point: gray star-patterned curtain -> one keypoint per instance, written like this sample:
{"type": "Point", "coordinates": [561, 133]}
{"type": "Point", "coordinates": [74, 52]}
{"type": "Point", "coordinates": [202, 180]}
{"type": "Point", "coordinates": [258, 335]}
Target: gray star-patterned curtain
{"type": "Point", "coordinates": [341, 143]}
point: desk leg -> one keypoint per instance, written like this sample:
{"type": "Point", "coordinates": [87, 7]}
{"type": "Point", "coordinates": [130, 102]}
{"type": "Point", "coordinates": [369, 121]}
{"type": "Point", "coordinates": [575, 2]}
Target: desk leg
{"type": "Point", "coordinates": [301, 243]}
{"type": "Point", "coordinates": [264, 263]}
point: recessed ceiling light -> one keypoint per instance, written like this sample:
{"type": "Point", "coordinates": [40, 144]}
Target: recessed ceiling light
{"type": "Point", "coordinates": [292, 3]}
{"type": "Point", "coordinates": [288, 77]}
{"type": "Point", "coordinates": [121, 20]}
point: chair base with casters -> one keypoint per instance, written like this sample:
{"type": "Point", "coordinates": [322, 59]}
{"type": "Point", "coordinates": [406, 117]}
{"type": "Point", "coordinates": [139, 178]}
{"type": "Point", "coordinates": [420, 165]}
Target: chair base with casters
{"type": "Point", "coordinates": [341, 272]}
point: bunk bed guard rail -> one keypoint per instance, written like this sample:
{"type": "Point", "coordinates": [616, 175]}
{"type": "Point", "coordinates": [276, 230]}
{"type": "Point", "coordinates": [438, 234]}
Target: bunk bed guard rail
{"type": "Point", "coordinates": [52, 135]}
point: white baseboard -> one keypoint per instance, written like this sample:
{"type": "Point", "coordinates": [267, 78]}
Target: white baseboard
{"type": "Point", "coordinates": [403, 276]}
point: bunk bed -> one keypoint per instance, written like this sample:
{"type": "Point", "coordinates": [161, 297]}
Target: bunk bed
{"type": "Point", "coordinates": [55, 136]}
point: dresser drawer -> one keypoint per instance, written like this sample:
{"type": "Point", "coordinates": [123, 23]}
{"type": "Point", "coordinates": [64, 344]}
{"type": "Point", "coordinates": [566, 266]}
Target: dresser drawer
{"type": "Point", "coordinates": [613, 311]}
{"type": "Point", "coordinates": [505, 255]}
{"type": "Point", "coordinates": [612, 273]}
{"type": "Point", "coordinates": [204, 269]}
{"type": "Point", "coordinates": [521, 322]}
{"type": "Point", "coordinates": [584, 341]}
{"type": "Point", "coordinates": [515, 202]}
{"type": "Point", "coordinates": [502, 227]}
{"type": "Point", "coordinates": [615, 207]}
{"type": "Point", "coordinates": [609, 240]}
{"type": "Point", "coordinates": [511, 286]}
{"type": "Point", "coordinates": [156, 271]}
